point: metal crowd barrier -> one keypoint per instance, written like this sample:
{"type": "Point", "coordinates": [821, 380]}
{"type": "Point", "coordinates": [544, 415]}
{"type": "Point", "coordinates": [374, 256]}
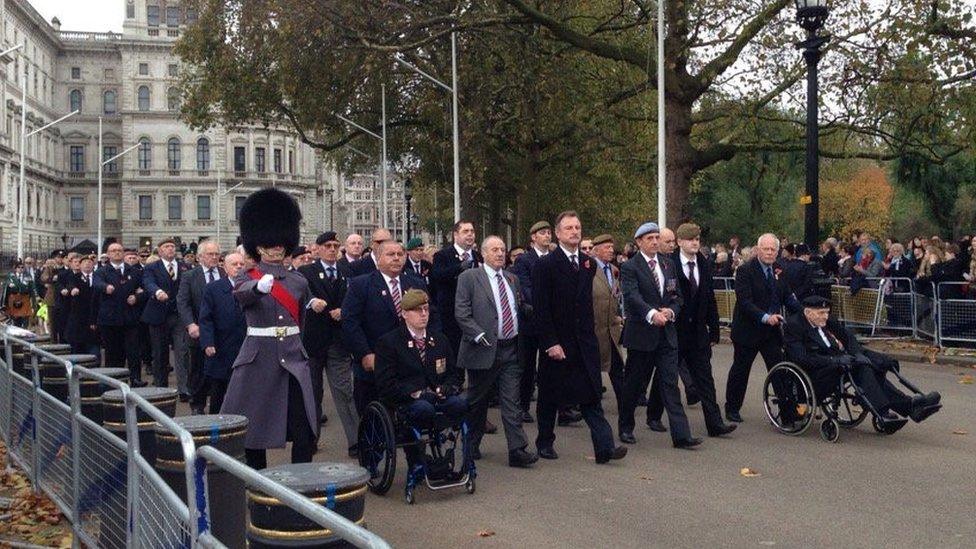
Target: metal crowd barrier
{"type": "Point", "coordinates": [725, 297]}
{"type": "Point", "coordinates": [104, 486]}
{"type": "Point", "coordinates": [956, 312]}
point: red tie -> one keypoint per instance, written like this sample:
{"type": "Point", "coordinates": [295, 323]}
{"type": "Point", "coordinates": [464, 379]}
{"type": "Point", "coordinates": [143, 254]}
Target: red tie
{"type": "Point", "coordinates": [508, 321]}
{"type": "Point", "coordinates": [395, 294]}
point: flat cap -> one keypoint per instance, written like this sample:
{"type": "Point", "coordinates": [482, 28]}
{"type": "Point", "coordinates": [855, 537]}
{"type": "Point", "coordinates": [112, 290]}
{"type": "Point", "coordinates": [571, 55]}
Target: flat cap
{"type": "Point", "coordinates": [539, 225]}
{"type": "Point", "coordinates": [414, 243]}
{"type": "Point", "coordinates": [816, 302]}
{"type": "Point", "coordinates": [327, 236]}
{"type": "Point", "coordinates": [412, 299]}
{"type": "Point", "coordinates": [131, 251]}
{"type": "Point", "coordinates": [646, 228]}
{"type": "Point", "coordinates": [602, 239]}
{"type": "Point", "coordinates": [167, 241]}
{"type": "Point", "coordinates": [687, 231]}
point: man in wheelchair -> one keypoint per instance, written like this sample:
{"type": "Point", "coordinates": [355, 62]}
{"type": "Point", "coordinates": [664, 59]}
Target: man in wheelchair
{"type": "Point", "coordinates": [416, 374]}
{"type": "Point", "coordinates": [825, 349]}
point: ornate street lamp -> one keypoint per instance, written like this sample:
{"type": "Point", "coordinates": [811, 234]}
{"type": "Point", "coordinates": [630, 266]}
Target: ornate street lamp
{"type": "Point", "coordinates": [811, 14]}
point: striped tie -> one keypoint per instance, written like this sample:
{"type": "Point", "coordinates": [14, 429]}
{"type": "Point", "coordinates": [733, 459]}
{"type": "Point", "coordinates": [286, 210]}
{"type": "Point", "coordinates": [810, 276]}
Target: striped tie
{"type": "Point", "coordinates": [652, 263]}
{"type": "Point", "coordinates": [508, 321]}
{"type": "Point", "coordinates": [172, 273]}
{"type": "Point", "coordinates": [421, 348]}
{"type": "Point", "coordinates": [395, 294]}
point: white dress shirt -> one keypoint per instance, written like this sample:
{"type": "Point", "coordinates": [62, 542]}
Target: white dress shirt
{"type": "Point", "coordinates": [570, 253]}
{"type": "Point", "coordinates": [461, 251]}
{"type": "Point", "coordinates": [823, 336]}
{"type": "Point", "coordinates": [120, 267]}
{"type": "Point", "coordinates": [496, 292]}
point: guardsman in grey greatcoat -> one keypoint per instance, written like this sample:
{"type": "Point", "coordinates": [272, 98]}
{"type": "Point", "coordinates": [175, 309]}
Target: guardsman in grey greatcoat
{"type": "Point", "coordinates": [270, 383]}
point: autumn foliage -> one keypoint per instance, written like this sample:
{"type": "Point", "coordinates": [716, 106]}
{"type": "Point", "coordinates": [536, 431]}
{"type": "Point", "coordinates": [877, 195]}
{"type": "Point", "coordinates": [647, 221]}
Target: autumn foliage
{"type": "Point", "coordinates": [863, 202]}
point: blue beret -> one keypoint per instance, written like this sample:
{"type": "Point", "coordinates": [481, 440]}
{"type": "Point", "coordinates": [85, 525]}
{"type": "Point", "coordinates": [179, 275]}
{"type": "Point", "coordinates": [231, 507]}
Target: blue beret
{"type": "Point", "coordinates": [649, 227]}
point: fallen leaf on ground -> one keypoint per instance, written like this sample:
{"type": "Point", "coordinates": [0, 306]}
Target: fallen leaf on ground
{"type": "Point", "coordinates": [966, 379]}
{"type": "Point", "coordinates": [749, 473]}
{"type": "Point", "coordinates": [960, 432]}
{"type": "Point", "coordinates": [486, 533]}
{"type": "Point", "coordinates": [645, 477]}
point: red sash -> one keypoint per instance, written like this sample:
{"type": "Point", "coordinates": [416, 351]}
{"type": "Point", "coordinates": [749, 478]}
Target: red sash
{"type": "Point", "coordinates": [280, 294]}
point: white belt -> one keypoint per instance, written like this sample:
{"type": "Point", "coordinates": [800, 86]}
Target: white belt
{"type": "Point", "coordinates": [273, 331]}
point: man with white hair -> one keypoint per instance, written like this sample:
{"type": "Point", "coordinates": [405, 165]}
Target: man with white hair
{"type": "Point", "coordinates": [761, 292]}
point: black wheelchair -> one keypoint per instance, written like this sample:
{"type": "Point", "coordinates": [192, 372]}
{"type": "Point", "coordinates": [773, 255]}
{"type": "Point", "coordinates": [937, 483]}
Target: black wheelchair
{"type": "Point", "coordinates": [447, 461]}
{"type": "Point", "coordinates": [788, 393]}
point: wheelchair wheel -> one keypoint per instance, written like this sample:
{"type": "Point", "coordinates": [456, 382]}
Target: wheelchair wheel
{"type": "Point", "coordinates": [845, 406]}
{"type": "Point", "coordinates": [377, 447]}
{"type": "Point", "coordinates": [788, 395]}
{"type": "Point", "coordinates": [829, 430]}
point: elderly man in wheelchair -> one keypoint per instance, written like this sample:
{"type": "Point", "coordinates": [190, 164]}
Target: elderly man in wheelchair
{"type": "Point", "coordinates": [831, 371]}
{"type": "Point", "coordinates": [420, 384]}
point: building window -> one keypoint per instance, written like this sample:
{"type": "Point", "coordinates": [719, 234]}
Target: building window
{"type": "Point", "coordinates": [238, 204]}
{"type": "Point", "coordinates": [191, 16]}
{"type": "Point", "coordinates": [173, 99]}
{"type": "Point", "coordinates": [240, 158]}
{"type": "Point", "coordinates": [145, 154]}
{"type": "Point", "coordinates": [143, 98]}
{"type": "Point", "coordinates": [74, 100]}
{"type": "Point", "coordinates": [111, 208]}
{"type": "Point", "coordinates": [109, 74]}
{"type": "Point", "coordinates": [277, 160]}
{"type": "Point", "coordinates": [259, 159]}
{"type": "Point", "coordinates": [174, 203]}
{"type": "Point", "coordinates": [172, 16]}
{"type": "Point", "coordinates": [143, 69]}
{"type": "Point", "coordinates": [77, 157]}
{"type": "Point", "coordinates": [145, 207]}
{"type": "Point", "coordinates": [130, 10]}
{"type": "Point", "coordinates": [172, 69]}
{"type": "Point", "coordinates": [203, 154]}
{"type": "Point", "coordinates": [76, 73]}
{"type": "Point", "coordinates": [109, 102]}
{"type": "Point", "coordinates": [291, 161]}
{"type": "Point", "coordinates": [109, 152]}
{"type": "Point", "coordinates": [203, 206]}
{"type": "Point", "coordinates": [152, 15]}
{"type": "Point", "coordinates": [77, 207]}
{"type": "Point", "coordinates": [173, 154]}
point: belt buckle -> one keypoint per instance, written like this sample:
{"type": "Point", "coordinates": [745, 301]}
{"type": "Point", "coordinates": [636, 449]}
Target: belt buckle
{"type": "Point", "coordinates": [280, 331]}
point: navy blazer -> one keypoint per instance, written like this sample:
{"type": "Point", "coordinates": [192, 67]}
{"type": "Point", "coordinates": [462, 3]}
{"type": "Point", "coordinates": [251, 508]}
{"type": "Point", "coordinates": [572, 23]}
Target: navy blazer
{"type": "Point", "coordinates": [400, 371]}
{"type": "Point", "coordinates": [81, 316]}
{"type": "Point", "coordinates": [363, 265]}
{"type": "Point", "coordinates": [112, 309]}
{"type": "Point", "coordinates": [641, 295]}
{"type": "Point", "coordinates": [320, 331]}
{"type": "Point", "coordinates": [755, 297]}
{"type": "Point", "coordinates": [368, 313]}
{"type": "Point", "coordinates": [222, 326]}
{"type": "Point", "coordinates": [698, 320]}
{"type": "Point", "coordinates": [523, 270]}
{"type": "Point", "coordinates": [155, 277]}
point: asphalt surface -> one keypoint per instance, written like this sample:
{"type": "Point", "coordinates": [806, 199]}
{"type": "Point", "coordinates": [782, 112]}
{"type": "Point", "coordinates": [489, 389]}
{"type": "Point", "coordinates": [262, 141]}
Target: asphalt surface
{"type": "Point", "coordinates": [916, 488]}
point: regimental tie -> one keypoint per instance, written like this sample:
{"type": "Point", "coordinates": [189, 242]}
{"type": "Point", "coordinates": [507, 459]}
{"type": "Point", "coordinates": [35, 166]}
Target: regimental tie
{"type": "Point", "coordinates": [421, 348]}
{"type": "Point", "coordinates": [652, 263]}
{"type": "Point", "coordinates": [395, 294]}
{"type": "Point", "coordinates": [692, 279]}
{"type": "Point", "coordinates": [508, 320]}
{"type": "Point", "coordinates": [210, 275]}
{"type": "Point", "coordinates": [572, 259]}
{"type": "Point", "coordinates": [331, 273]}
{"type": "Point", "coordinates": [171, 271]}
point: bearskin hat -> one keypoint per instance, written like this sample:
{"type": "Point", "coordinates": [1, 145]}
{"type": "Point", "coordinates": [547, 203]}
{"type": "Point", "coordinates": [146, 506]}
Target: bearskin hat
{"type": "Point", "coordinates": [270, 218]}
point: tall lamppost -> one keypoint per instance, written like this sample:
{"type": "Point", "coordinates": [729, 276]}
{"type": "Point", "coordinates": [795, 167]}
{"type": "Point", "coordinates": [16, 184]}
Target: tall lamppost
{"type": "Point", "coordinates": [382, 139]}
{"type": "Point", "coordinates": [101, 169]}
{"type": "Point", "coordinates": [811, 14]}
{"type": "Point", "coordinates": [407, 199]}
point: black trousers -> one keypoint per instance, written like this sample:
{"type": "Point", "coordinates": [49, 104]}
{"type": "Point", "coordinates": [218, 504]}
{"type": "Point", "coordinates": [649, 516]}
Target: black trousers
{"type": "Point", "coordinates": [199, 390]}
{"type": "Point", "coordinates": [132, 342]}
{"type": "Point", "coordinates": [113, 341]}
{"type": "Point", "coordinates": [58, 319]}
{"type": "Point", "coordinates": [299, 432]}
{"type": "Point", "coordinates": [655, 406]}
{"type": "Point", "coordinates": [641, 365]}
{"type": "Point", "coordinates": [364, 391]}
{"type": "Point", "coordinates": [218, 388]}
{"type": "Point", "coordinates": [600, 431]}
{"type": "Point", "coordinates": [529, 360]}
{"type": "Point", "coordinates": [882, 393]}
{"type": "Point", "coordinates": [697, 359]}
{"type": "Point", "coordinates": [616, 372]}
{"type": "Point", "coordinates": [743, 356]}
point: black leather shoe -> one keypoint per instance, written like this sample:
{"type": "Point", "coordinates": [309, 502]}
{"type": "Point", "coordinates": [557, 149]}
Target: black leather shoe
{"type": "Point", "coordinates": [521, 458]}
{"type": "Point", "coordinates": [733, 416]}
{"type": "Point", "coordinates": [476, 454]}
{"type": "Point", "coordinates": [197, 410]}
{"type": "Point", "coordinates": [933, 398]}
{"type": "Point", "coordinates": [138, 383]}
{"type": "Point", "coordinates": [627, 437]}
{"type": "Point", "coordinates": [656, 426]}
{"type": "Point", "coordinates": [687, 443]}
{"type": "Point", "coordinates": [722, 429]}
{"type": "Point", "coordinates": [184, 398]}
{"type": "Point", "coordinates": [617, 453]}
{"type": "Point", "coordinates": [490, 428]}
{"type": "Point", "coordinates": [642, 400]}
{"type": "Point", "coordinates": [548, 453]}
{"type": "Point", "coordinates": [527, 418]}
{"type": "Point", "coordinates": [354, 451]}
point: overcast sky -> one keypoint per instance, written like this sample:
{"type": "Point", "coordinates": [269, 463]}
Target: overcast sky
{"type": "Point", "coordinates": [84, 15]}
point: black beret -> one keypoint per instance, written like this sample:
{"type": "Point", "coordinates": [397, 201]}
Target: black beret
{"type": "Point", "coordinates": [816, 302]}
{"type": "Point", "coordinates": [327, 236]}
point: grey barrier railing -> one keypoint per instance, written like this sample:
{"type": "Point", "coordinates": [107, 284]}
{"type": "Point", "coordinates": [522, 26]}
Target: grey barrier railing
{"type": "Point", "coordinates": [104, 486]}
{"type": "Point", "coordinates": [957, 312]}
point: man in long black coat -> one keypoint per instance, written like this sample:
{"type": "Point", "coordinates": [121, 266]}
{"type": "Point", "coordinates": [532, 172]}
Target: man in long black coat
{"type": "Point", "coordinates": [449, 262]}
{"type": "Point", "coordinates": [569, 372]}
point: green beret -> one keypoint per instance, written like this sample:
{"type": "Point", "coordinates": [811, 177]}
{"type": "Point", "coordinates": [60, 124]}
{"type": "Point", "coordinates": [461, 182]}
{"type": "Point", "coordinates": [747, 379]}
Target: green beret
{"type": "Point", "coordinates": [687, 231]}
{"type": "Point", "coordinates": [539, 225]}
{"type": "Point", "coordinates": [602, 239]}
{"type": "Point", "coordinates": [414, 243]}
{"type": "Point", "coordinates": [412, 299]}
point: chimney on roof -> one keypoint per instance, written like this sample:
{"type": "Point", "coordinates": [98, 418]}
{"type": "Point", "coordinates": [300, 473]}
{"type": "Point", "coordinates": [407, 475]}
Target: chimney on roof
{"type": "Point", "coordinates": [56, 23]}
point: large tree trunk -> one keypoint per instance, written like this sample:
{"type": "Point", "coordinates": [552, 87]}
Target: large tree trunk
{"type": "Point", "coordinates": [679, 157]}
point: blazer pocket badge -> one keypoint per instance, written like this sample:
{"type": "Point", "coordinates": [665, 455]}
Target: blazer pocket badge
{"type": "Point", "coordinates": [671, 285]}
{"type": "Point", "coordinates": [440, 365]}
{"type": "Point", "coordinates": [322, 276]}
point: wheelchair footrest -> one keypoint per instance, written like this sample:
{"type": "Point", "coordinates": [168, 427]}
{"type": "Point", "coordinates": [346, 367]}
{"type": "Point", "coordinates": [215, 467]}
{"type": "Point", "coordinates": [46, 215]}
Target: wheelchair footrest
{"type": "Point", "coordinates": [891, 426]}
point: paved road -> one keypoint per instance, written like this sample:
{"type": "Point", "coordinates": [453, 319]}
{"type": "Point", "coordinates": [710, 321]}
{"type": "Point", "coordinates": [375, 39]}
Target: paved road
{"type": "Point", "coordinates": [914, 489]}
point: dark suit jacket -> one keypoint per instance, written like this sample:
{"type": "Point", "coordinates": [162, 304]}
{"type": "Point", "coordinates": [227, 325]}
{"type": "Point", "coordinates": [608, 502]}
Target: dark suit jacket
{"type": "Point", "coordinates": [425, 268]}
{"type": "Point", "coordinates": [364, 265]}
{"type": "Point", "coordinates": [400, 371]}
{"type": "Point", "coordinates": [563, 305]}
{"type": "Point", "coordinates": [80, 315]}
{"type": "Point", "coordinates": [829, 262]}
{"type": "Point", "coordinates": [523, 270]}
{"type": "Point", "coordinates": [368, 313]}
{"type": "Point", "coordinates": [641, 295]}
{"type": "Point", "coordinates": [112, 309]}
{"type": "Point", "coordinates": [320, 331]}
{"type": "Point", "coordinates": [222, 326]}
{"type": "Point", "coordinates": [155, 277]}
{"type": "Point", "coordinates": [190, 295]}
{"type": "Point", "coordinates": [755, 298]}
{"type": "Point", "coordinates": [443, 281]}
{"type": "Point", "coordinates": [799, 277]}
{"type": "Point", "coordinates": [698, 320]}
{"type": "Point", "coordinates": [805, 347]}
